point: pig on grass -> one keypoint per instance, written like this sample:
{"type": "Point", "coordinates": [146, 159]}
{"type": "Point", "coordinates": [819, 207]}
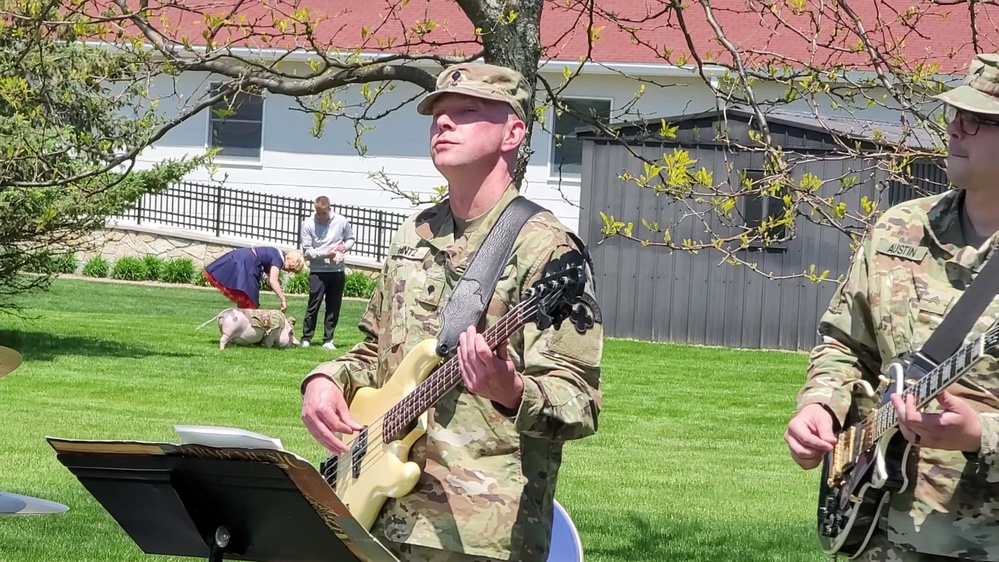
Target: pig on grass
{"type": "Point", "coordinates": [245, 326]}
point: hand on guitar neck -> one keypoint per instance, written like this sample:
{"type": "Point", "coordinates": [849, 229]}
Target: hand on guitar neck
{"type": "Point", "coordinates": [325, 412]}
{"type": "Point", "coordinates": [484, 372]}
{"type": "Point", "coordinates": [956, 428]}
{"type": "Point", "coordinates": [810, 435]}
{"type": "Point", "coordinates": [488, 374]}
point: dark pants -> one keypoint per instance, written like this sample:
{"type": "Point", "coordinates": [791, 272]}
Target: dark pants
{"type": "Point", "coordinates": [328, 287]}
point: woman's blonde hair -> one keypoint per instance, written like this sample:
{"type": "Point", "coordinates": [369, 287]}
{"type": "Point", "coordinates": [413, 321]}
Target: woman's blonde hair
{"type": "Point", "coordinates": [294, 261]}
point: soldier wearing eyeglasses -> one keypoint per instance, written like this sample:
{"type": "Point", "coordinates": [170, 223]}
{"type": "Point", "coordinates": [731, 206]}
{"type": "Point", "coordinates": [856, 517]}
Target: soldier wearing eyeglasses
{"type": "Point", "coordinates": [968, 121]}
{"type": "Point", "coordinates": [912, 268]}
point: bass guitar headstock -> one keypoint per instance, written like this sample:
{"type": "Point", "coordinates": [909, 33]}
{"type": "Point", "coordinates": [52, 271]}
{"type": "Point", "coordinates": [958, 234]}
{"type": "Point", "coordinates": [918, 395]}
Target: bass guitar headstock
{"type": "Point", "coordinates": [564, 281]}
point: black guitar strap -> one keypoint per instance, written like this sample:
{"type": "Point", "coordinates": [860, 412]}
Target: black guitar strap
{"type": "Point", "coordinates": [949, 335]}
{"type": "Point", "coordinates": [475, 289]}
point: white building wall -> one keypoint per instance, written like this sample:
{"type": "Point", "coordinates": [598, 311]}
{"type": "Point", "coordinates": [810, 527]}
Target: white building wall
{"type": "Point", "coordinates": [295, 163]}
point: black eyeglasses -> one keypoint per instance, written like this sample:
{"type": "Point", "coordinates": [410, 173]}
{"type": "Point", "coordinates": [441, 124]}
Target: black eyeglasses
{"type": "Point", "coordinates": [970, 122]}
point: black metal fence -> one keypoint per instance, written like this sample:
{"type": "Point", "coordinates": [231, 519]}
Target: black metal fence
{"type": "Point", "coordinates": [224, 211]}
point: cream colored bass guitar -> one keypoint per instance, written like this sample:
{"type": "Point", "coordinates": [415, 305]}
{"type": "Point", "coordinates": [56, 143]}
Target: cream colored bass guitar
{"type": "Point", "coordinates": [376, 465]}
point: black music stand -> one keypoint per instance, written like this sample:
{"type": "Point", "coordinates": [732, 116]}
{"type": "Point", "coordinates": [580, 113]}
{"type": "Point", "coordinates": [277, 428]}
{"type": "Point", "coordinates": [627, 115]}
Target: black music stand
{"type": "Point", "coordinates": [219, 503]}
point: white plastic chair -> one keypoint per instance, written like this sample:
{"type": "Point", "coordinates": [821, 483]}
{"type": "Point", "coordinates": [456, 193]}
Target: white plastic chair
{"type": "Point", "coordinates": [565, 545]}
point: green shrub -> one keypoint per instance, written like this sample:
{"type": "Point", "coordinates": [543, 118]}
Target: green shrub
{"type": "Point", "coordinates": [298, 284]}
{"type": "Point", "coordinates": [47, 262]}
{"type": "Point", "coordinates": [130, 269]}
{"type": "Point", "coordinates": [200, 280]}
{"type": "Point", "coordinates": [358, 284]}
{"type": "Point", "coordinates": [96, 266]}
{"type": "Point", "coordinates": [265, 283]}
{"type": "Point", "coordinates": [154, 267]}
{"type": "Point", "coordinates": [40, 263]}
{"type": "Point", "coordinates": [180, 270]}
{"type": "Point", "coordinates": [65, 263]}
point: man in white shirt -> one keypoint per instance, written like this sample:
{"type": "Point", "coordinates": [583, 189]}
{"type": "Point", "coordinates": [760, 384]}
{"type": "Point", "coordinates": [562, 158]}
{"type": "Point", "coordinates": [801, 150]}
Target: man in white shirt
{"type": "Point", "coordinates": [326, 237]}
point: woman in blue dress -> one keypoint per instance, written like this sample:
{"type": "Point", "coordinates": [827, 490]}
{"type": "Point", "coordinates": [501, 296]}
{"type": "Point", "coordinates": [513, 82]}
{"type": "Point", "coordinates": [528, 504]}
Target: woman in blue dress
{"type": "Point", "coordinates": [237, 273]}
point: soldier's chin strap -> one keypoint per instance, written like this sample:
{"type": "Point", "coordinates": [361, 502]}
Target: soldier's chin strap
{"type": "Point", "coordinates": [950, 334]}
{"type": "Point", "coordinates": [475, 289]}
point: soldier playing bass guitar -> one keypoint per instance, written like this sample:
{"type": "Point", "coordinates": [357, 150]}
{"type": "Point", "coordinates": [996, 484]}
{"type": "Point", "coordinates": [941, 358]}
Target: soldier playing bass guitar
{"type": "Point", "coordinates": [487, 462]}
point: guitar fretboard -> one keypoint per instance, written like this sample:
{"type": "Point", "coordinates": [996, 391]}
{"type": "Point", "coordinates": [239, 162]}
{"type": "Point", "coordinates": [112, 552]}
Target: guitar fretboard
{"type": "Point", "coordinates": [448, 375]}
{"type": "Point", "coordinates": [924, 390]}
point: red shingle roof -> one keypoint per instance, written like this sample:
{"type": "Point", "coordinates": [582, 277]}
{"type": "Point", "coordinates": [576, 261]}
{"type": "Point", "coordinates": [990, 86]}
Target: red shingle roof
{"type": "Point", "coordinates": [942, 33]}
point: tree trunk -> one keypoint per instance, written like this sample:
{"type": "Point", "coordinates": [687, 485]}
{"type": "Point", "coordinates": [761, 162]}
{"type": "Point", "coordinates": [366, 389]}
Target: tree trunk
{"type": "Point", "coordinates": [514, 44]}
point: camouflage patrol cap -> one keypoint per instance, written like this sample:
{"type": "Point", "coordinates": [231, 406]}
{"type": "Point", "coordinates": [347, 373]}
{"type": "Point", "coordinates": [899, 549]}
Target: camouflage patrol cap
{"type": "Point", "coordinates": [980, 91]}
{"type": "Point", "coordinates": [485, 81]}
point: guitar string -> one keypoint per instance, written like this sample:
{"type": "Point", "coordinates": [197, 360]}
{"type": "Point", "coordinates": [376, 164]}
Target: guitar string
{"type": "Point", "coordinates": [377, 425]}
{"type": "Point", "coordinates": [882, 421]}
{"type": "Point", "coordinates": [378, 441]}
{"type": "Point", "coordinates": [872, 425]}
{"type": "Point", "coordinates": [885, 418]}
{"type": "Point", "coordinates": [377, 428]}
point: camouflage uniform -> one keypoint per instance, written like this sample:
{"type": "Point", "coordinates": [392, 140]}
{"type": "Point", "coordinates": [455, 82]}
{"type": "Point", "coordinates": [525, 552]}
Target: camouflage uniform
{"type": "Point", "coordinates": [267, 320]}
{"type": "Point", "coordinates": [903, 280]}
{"type": "Point", "coordinates": [489, 475]}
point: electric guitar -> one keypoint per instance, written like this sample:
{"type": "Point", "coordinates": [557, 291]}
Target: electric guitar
{"type": "Point", "coordinates": [375, 466]}
{"type": "Point", "coordinates": [870, 459]}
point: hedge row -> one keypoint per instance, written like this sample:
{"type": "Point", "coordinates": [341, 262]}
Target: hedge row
{"type": "Point", "coordinates": [183, 271]}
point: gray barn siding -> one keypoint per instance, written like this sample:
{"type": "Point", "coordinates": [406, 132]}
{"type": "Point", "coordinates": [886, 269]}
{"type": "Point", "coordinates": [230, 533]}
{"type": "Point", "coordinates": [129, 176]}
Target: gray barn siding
{"type": "Point", "coordinates": [653, 294]}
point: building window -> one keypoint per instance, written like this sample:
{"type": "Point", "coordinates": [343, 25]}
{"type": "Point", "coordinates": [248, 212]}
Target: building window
{"type": "Point", "coordinates": [567, 151]}
{"type": "Point", "coordinates": [236, 124]}
{"type": "Point", "coordinates": [761, 207]}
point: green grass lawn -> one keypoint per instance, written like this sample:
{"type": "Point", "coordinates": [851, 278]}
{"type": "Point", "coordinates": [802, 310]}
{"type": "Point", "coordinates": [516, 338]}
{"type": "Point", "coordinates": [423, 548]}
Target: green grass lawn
{"type": "Point", "coordinates": [688, 462]}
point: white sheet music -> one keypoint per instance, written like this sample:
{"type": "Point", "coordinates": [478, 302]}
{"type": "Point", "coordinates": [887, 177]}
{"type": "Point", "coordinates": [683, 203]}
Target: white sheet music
{"type": "Point", "coordinates": [212, 436]}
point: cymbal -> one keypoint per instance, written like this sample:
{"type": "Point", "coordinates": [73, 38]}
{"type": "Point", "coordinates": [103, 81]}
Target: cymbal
{"type": "Point", "coordinates": [9, 360]}
{"type": "Point", "coordinates": [14, 504]}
